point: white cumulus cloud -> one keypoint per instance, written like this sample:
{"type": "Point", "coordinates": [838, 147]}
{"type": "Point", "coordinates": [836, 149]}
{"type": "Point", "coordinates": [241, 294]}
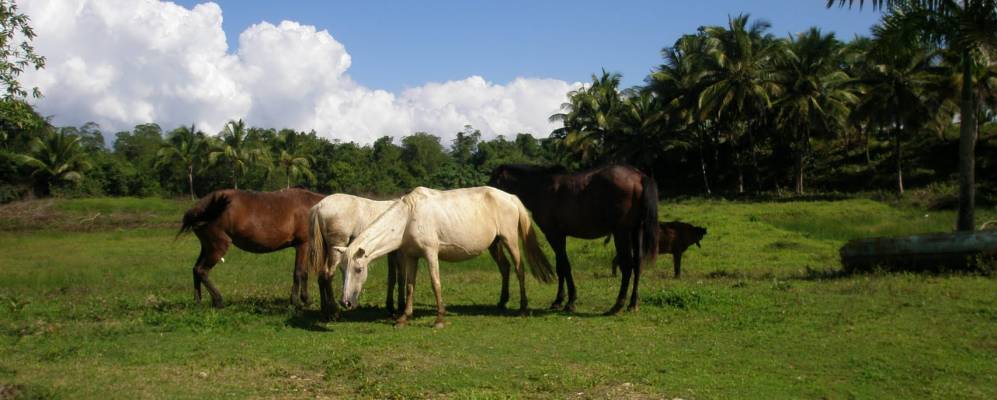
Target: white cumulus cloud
{"type": "Point", "coordinates": [125, 62]}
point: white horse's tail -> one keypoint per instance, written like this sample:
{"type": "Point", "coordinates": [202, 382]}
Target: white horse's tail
{"type": "Point", "coordinates": [540, 268]}
{"type": "Point", "coordinates": [316, 241]}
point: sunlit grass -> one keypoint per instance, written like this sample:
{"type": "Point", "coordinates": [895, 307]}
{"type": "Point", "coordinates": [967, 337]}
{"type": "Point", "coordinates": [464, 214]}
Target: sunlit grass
{"type": "Point", "coordinates": [759, 313]}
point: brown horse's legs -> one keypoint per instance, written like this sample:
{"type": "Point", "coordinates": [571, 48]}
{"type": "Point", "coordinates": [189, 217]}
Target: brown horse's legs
{"type": "Point", "coordinates": [496, 251]}
{"type": "Point", "coordinates": [197, 278]}
{"type": "Point", "coordinates": [202, 273]}
{"type": "Point", "coordinates": [299, 285]}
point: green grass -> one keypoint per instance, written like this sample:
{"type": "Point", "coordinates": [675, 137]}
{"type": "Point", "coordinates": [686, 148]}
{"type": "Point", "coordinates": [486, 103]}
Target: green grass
{"type": "Point", "coordinates": [759, 313]}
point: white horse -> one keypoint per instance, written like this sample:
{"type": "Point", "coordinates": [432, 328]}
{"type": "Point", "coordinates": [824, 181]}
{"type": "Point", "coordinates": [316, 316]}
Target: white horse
{"type": "Point", "coordinates": [334, 221]}
{"type": "Point", "coordinates": [453, 225]}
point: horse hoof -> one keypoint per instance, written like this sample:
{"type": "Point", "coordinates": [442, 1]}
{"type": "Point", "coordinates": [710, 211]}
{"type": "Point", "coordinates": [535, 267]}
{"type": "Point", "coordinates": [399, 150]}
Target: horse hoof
{"type": "Point", "coordinates": [439, 325]}
{"type": "Point", "coordinates": [556, 306]}
{"type": "Point", "coordinates": [500, 306]}
{"type": "Point", "coordinates": [524, 312]}
{"type": "Point", "coordinates": [401, 322]}
{"type": "Point", "coordinates": [633, 308]}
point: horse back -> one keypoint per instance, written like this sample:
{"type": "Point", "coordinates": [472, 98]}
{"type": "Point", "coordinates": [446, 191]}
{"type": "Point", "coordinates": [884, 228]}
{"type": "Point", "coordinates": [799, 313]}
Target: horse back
{"type": "Point", "coordinates": [267, 221]}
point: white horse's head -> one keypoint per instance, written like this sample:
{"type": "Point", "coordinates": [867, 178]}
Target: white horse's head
{"type": "Point", "coordinates": [354, 267]}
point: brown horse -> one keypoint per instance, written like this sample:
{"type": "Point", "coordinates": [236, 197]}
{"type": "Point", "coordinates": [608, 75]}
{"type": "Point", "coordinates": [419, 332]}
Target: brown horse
{"type": "Point", "coordinates": [674, 238]}
{"type": "Point", "coordinates": [258, 222]}
{"type": "Point", "coordinates": [616, 199]}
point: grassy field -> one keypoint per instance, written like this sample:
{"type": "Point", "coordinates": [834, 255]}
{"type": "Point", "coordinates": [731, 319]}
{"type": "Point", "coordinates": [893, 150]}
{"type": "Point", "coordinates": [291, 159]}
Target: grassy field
{"type": "Point", "coordinates": [96, 302]}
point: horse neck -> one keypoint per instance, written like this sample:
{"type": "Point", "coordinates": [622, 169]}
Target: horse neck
{"type": "Point", "coordinates": [384, 235]}
{"type": "Point", "coordinates": [535, 190]}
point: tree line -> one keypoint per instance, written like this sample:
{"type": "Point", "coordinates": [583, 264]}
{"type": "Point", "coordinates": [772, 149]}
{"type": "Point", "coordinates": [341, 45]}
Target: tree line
{"type": "Point", "coordinates": [730, 109]}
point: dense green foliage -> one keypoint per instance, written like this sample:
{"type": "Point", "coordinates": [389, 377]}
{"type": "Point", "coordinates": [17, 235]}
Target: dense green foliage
{"type": "Point", "coordinates": [96, 302]}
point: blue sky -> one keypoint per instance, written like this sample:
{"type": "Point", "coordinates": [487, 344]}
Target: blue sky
{"type": "Point", "coordinates": [403, 44]}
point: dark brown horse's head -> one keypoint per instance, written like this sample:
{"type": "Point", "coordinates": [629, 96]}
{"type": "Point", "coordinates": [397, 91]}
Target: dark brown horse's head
{"type": "Point", "coordinates": [509, 177]}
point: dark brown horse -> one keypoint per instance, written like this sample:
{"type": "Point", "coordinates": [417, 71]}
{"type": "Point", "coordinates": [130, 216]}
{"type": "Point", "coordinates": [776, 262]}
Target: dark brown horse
{"type": "Point", "coordinates": [258, 222]}
{"type": "Point", "coordinates": [615, 199]}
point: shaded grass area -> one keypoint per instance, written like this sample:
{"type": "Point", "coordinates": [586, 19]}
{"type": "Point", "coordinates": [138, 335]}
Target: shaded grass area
{"type": "Point", "coordinates": [760, 313]}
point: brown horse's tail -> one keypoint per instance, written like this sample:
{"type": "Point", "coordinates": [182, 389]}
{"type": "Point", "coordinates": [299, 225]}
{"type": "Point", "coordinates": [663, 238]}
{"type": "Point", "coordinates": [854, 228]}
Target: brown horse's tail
{"type": "Point", "coordinates": [649, 222]}
{"type": "Point", "coordinates": [208, 209]}
{"type": "Point", "coordinates": [540, 268]}
{"type": "Point", "coordinates": [316, 241]}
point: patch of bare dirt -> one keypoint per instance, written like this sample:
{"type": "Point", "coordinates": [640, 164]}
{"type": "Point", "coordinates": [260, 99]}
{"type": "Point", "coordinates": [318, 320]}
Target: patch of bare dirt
{"type": "Point", "coordinates": [35, 215]}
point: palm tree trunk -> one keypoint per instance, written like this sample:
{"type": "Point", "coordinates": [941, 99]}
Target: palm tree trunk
{"type": "Point", "coordinates": [288, 176]}
{"type": "Point", "coordinates": [899, 159]}
{"type": "Point", "coordinates": [754, 158]}
{"type": "Point", "coordinates": [800, 156]}
{"type": "Point", "coordinates": [702, 164]}
{"type": "Point", "coordinates": [967, 147]}
{"type": "Point", "coordinates": [190, 181]}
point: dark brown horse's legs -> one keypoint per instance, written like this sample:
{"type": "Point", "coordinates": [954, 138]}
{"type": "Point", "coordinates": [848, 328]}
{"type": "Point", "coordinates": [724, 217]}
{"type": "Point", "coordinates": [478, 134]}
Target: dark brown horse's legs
{"type": "Point", "coordinates": [677, 260]}
{"type": "Point", "coordinates": [625, 270]}
{"type": "Point", "coordinates": [396, 278]}
{"type": "Point", "coordinates": [496, 251]}
{"type": "Point", "coordinates": [564, 278]}
{"type": "Point", "coordinates": [634, 297]}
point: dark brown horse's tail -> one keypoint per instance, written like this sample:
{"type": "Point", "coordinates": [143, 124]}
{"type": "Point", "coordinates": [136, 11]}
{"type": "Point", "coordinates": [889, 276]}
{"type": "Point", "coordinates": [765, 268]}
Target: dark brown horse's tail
{"type": "Point", "coordinates": [208, 209]}
{"type": "Point", "coordinates": [316, 241]}
{"type": "Point", "coordinates": [540, 268]}
{"type": "Point", "coordinates": [649, 221]}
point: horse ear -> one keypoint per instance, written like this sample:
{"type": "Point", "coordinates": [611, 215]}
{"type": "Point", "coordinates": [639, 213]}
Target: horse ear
{"type": "Point", "coordinates": [339, 249]}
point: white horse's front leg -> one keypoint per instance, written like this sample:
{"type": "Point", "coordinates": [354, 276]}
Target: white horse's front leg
{"type": "Point", "coordinates": [434, 274]}
{"type": "Point", "coordinates": [408, 267]}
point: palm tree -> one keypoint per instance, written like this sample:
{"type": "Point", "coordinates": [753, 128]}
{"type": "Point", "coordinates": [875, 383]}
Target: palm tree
{"type": "Point", "coordinates": [52, 158]}
{"type": "Point", "coordinates": [236, 152]}
{"type": "Point", "coordinates": [968, 27]}
{"type": "Point", "coordinates": [290, 160]}
{"type": "Point", "coordinates": [815, 98]}
{"type": "Point", "coordinates": [677, 84]}
{"type": "Point", "coordinates": [738, 80]}
{"type": "Point", "coordinates": [186, 147]}
{"type": "Point", "coordinates": [897, 72]}
{"type": "Point", "coordinates": [591, 116]}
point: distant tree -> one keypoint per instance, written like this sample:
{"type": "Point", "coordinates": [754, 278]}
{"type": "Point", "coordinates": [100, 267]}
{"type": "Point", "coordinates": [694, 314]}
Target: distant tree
{"type": "Point", "coordinates": [422, 156]}
{"type": "Point", "coordinates": [290, 159]}
{"type": "Point", "coordinates": [738, 85]}
{"type": "Point", "coordinates": [54, 157]}
{"type": "Point", "coordinates": [816, 97]}
{"type": "Point", "coordinates": [186, 147]}
{"type": "Point", "coordinates": [16, 51]}
{"type": "Point", "coordinates": [236, 153]}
